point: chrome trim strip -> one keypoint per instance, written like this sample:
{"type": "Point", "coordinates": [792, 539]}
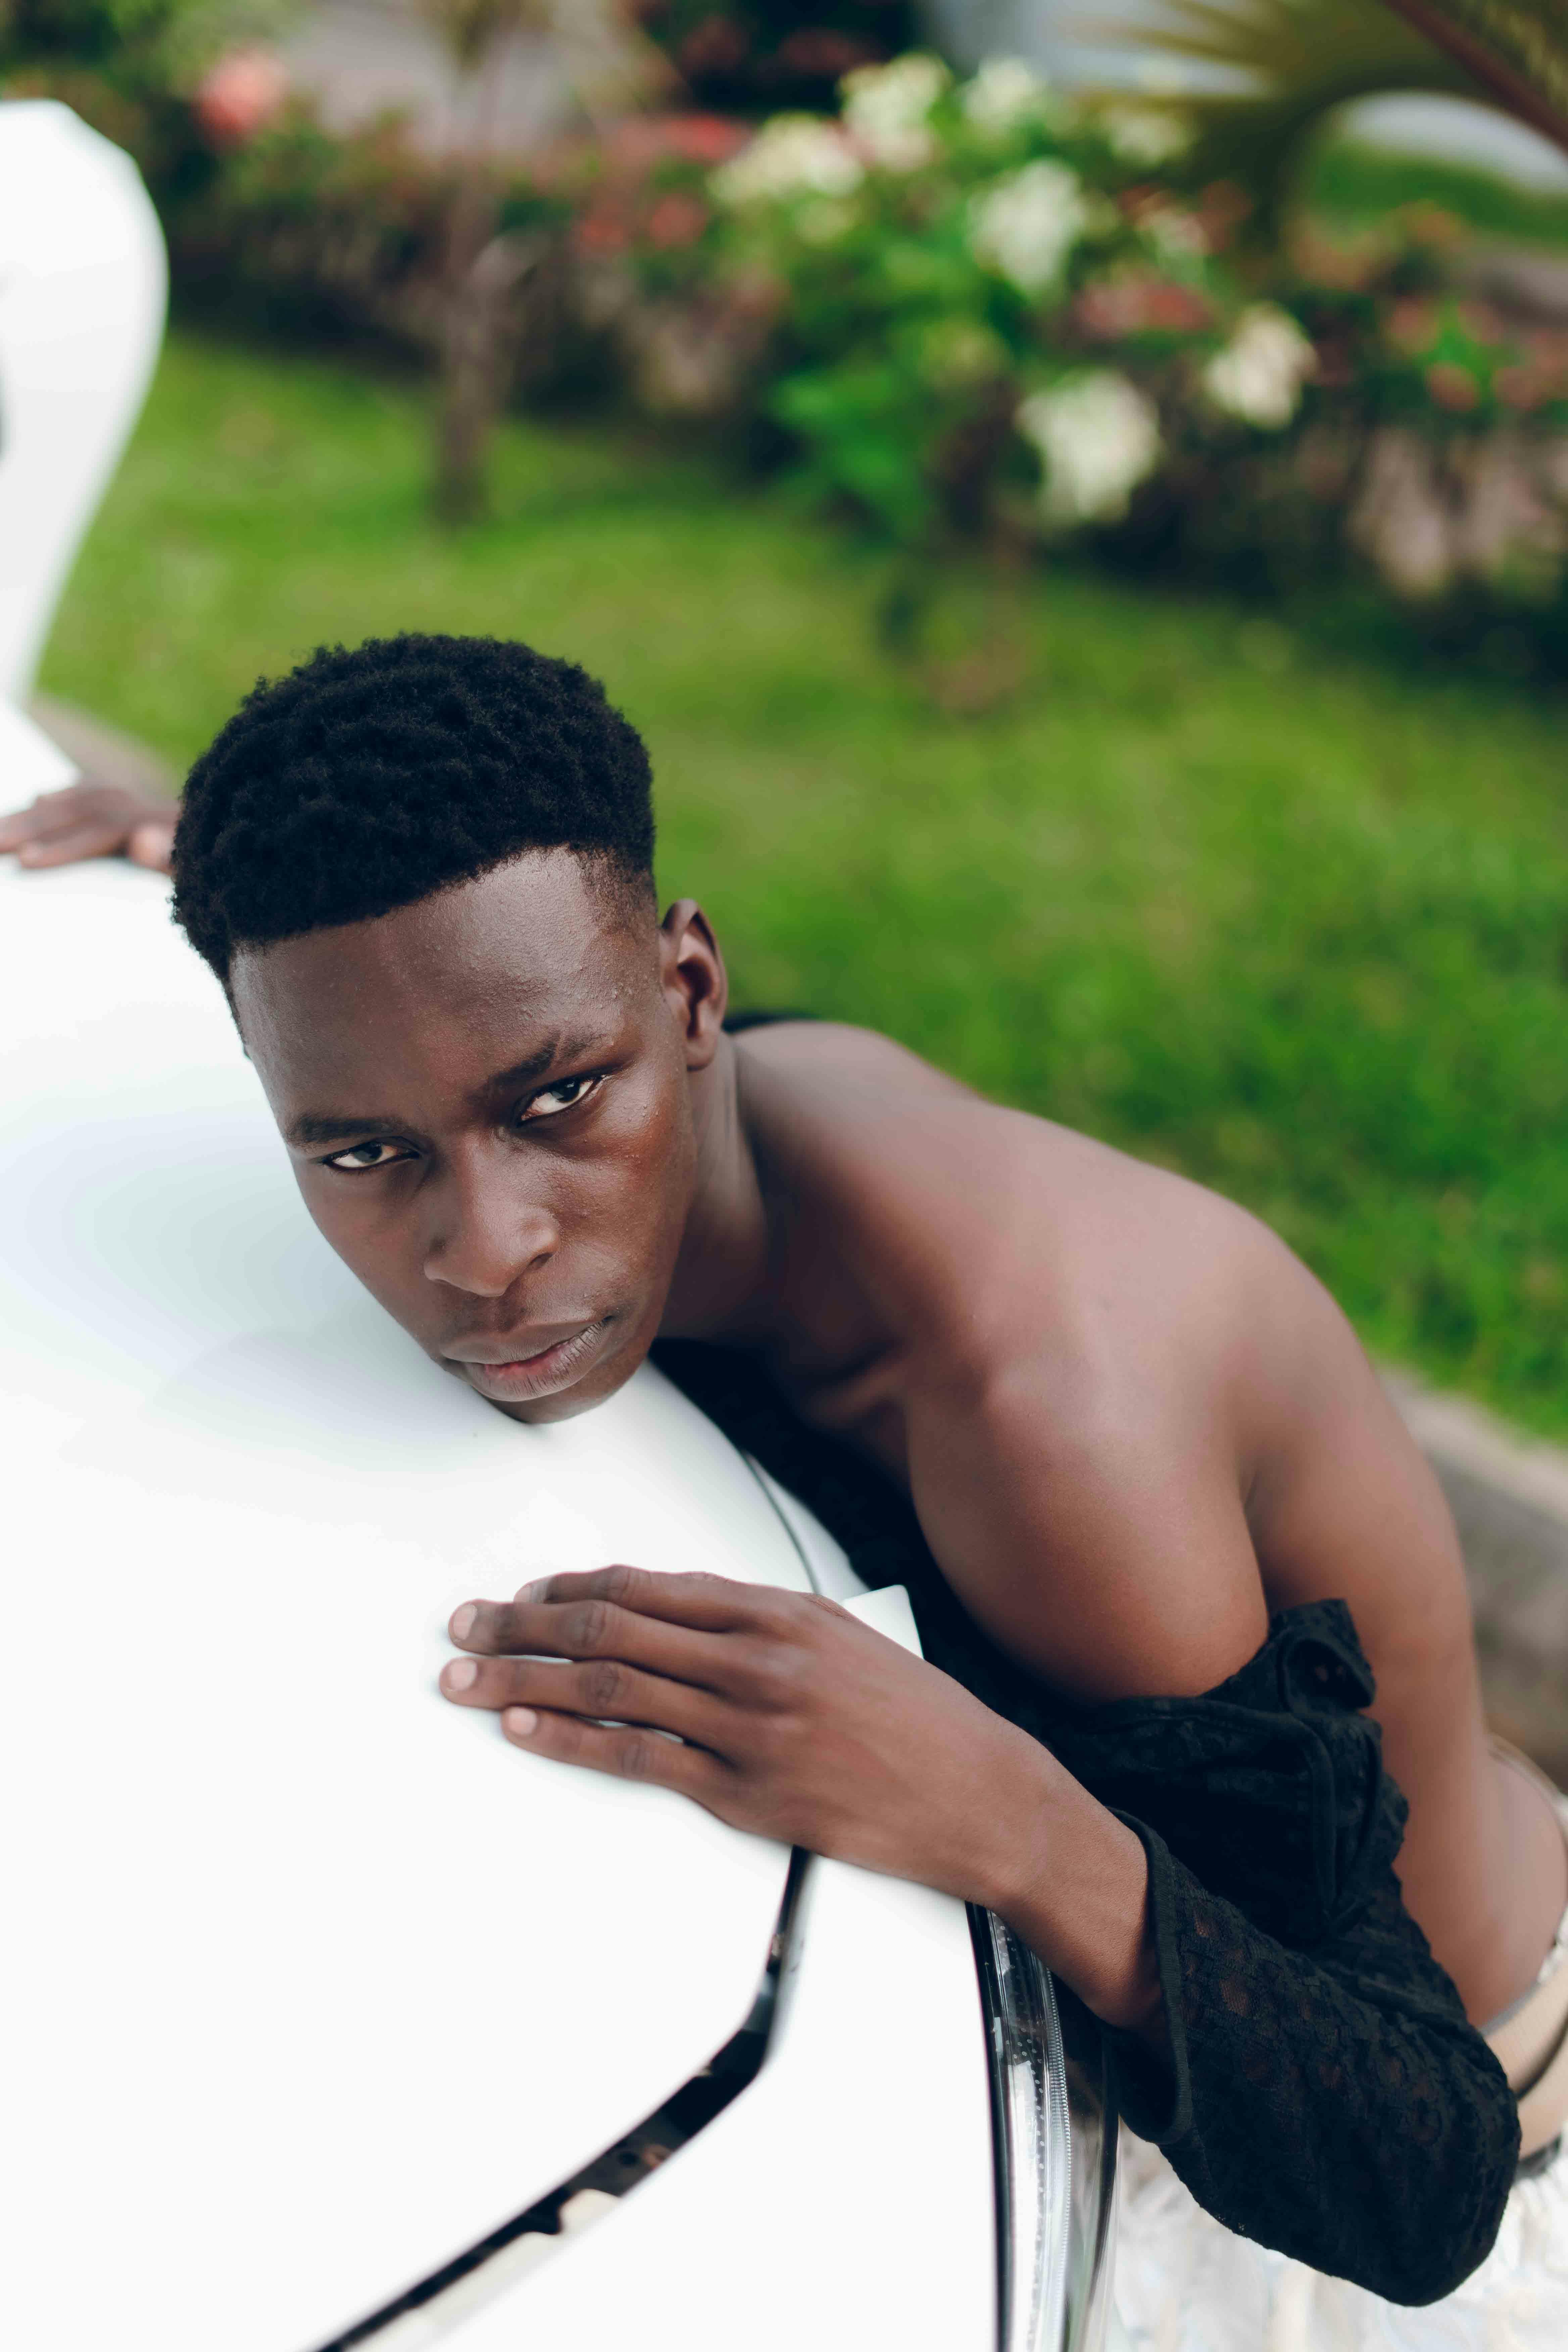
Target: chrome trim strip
{"type": "Point", "coordinates": [1032, 2136]}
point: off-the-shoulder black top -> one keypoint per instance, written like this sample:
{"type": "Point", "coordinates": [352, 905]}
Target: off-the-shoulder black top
{"type": "Point", "coordinates": [1324, 2092]}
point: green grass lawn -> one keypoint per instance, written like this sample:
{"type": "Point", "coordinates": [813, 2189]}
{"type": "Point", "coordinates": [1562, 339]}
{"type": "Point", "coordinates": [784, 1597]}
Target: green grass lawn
{"type": "Point", "coordinates": [1288, 920]}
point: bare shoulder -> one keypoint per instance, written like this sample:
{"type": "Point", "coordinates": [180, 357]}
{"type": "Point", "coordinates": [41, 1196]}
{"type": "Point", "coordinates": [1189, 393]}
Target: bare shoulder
{"type": "Point", "coordinates": [806, 1049]}
{"type": "Point", "coordinates": [1017, 1242]}
{"type": "Point", "coordinates": [1131, 1421]}
{"type": "Point", "coordinates": [1190, 1439]}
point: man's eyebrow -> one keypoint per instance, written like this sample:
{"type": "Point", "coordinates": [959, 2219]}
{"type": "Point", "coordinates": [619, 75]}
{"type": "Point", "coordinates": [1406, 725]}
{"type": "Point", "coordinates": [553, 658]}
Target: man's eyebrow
{"type": "Point", "coordinates": [329, 1127]}
{"type": "Point", "coordinates": [563, 1046]}
{"type": "Point", "coordinates": [334, 1127]}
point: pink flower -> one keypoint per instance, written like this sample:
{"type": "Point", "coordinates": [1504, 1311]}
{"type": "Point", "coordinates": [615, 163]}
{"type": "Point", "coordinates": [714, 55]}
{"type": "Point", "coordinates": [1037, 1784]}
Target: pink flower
{"type": "Point", "coordinates": [241, 95]}
{"type": "Point", "coordinates": [677, 220]}
{"type": "Point", "coordinates": [705, 138]}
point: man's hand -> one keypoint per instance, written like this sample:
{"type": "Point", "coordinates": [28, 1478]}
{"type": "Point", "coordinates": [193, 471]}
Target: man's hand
{"type": "Point", "coordinates": [789, 1718]}
{"type": "Point", "coordinates": [786, 1716]}
{"type": "Point", "coordinates": [92, 821]}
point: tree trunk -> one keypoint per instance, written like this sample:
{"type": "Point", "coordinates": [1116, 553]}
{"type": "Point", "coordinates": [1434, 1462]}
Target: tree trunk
{"type": "Point", "coordinates": [482, 270]}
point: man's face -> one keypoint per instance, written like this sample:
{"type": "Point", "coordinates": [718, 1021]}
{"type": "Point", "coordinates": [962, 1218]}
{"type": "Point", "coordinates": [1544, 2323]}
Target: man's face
{"type": "Point", "coordinates": [486, 1098]}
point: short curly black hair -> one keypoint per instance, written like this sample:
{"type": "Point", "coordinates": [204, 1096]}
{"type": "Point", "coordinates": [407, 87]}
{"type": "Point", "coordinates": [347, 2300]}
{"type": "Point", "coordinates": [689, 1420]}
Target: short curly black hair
{"type": "Point", "coordinates": [365, 780]}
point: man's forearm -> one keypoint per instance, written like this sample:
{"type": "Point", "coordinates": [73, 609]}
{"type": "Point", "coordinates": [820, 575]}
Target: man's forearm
{"type": "Point", "coordinates": [1073, 1882]}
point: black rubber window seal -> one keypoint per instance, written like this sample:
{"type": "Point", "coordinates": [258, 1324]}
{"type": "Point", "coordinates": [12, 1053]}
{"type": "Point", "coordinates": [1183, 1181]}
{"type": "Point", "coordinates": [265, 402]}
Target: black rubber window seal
{"type": "Point", "coordinates": [638, 2152]}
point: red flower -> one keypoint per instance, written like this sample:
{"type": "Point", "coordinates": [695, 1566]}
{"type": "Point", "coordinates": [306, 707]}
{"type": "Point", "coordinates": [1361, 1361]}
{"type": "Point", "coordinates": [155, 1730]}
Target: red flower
{"type": "Point", "coordinates": [241, 95]}
{"type": "Point", "coordinates": [1132, 305]}
{"type": "Point", "coordinates": [677, 220]}
{"type": "Point", "coordinates": [604, 234]}
{"type": "Point", "coordinates": [705, 138]}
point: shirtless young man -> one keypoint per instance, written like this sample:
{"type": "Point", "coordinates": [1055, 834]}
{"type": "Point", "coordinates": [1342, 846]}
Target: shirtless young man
{"type": "Point", "coordinates": [1131, 1424]}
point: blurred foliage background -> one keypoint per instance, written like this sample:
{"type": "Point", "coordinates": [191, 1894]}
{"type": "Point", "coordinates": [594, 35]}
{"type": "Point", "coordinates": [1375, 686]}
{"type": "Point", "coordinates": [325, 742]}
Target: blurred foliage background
{"type": "Point", "coordinates": [1097, 603]}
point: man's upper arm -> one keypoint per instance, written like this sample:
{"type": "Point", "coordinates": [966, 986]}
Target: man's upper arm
{"type": "Point", "coordinates": [1341, 1502]}
{"type": "Point", "coordinates": [1098, 1540]}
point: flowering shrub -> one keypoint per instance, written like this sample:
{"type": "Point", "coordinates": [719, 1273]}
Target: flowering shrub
{"type": "Point", "coordinates": [954, 306]}
{"type": "Point", "coordinates": [978, 284]}
{"type": "Point", "coordinates": [998, 311]}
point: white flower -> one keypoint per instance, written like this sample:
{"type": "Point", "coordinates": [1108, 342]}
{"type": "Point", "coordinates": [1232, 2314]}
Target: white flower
{"type": "Point", "coordinates": [1025, 227]}
{"type": "Point", "coordinates": [1146, 134]}
{"type": "Point", "coordinates": [885, 108]}
{"type": "Point", "coordinates": [1259, 374]}
{"type": "Point", "coordinates": [1097, 438]}
{"type": "Point", "coordinates": [1005, 92]}
{"type": "Point", "coordinates": [792, 155]}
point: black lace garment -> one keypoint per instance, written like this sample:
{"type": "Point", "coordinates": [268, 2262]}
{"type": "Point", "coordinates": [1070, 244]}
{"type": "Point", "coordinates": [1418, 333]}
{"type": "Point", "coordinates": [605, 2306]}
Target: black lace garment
{"type": "Point", "coordinates": [1324, 2092]}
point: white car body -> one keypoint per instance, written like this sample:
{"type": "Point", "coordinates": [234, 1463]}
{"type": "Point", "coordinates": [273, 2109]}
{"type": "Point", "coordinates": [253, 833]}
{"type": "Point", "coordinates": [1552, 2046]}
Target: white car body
{"type": "Point", "coordinates": [329, 2017]}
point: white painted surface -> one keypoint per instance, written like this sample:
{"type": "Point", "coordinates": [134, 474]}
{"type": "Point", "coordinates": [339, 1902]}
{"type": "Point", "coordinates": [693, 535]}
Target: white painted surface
{"type": "Point", "coordinates": [83, 282]}
{"type": "Point", "coordinates": [29, 762]}
{"type": "Point", "coordinates": [844, 2199]}
{"type": "Point", "coordinates": [309, 1981]}
{"type": "Point", "coordinates": [826, 1560]}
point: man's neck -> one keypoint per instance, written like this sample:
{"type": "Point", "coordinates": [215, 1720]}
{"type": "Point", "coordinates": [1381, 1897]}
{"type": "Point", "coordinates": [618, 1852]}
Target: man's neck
{"type": "Point", "coordinates": [722, 1284]}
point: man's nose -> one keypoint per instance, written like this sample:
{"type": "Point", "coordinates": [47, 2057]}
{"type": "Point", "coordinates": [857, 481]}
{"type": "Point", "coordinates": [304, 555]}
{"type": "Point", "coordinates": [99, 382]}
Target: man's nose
{"type": "Point", "coordinates": [488, 1232]}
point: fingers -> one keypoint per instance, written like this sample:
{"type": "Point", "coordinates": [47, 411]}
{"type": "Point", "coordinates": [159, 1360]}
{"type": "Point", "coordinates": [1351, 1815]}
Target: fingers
{"type": "Point", "coordinates": [599, 1688]}
{"type": "Point", "coordinates": [626, 1755]}
{"type": "Point", "coordinates": [589, 1629]}
{"type": "Point", "coordinates": [592, 1607]}
{"type": "Point", "coordinates": [68, 847]}
{"type": "Point", "coordinates": [88, 820]}
{"type": "Point", "coordinates": [41, 815]}
{"type": "Point", "coordinates": [153, 844]}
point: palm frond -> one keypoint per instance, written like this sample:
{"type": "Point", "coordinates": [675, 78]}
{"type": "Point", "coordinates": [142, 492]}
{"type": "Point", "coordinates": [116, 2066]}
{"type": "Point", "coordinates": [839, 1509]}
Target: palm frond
{"type": "Point", "coordinates": [1516, 50]}
{"type": "Point", "coordinates": [1288, 64]}
{"type": "Point", "coordinates": [1276, 43]}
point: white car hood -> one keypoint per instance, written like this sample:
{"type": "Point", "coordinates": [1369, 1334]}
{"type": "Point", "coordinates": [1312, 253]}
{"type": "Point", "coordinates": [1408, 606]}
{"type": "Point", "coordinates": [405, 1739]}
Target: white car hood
{"type": "Point", "coordinates": [310, 1981]}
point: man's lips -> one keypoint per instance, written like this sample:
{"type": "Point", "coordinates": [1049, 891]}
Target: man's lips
{"type": "Point", "coordinates": [529, 1363]}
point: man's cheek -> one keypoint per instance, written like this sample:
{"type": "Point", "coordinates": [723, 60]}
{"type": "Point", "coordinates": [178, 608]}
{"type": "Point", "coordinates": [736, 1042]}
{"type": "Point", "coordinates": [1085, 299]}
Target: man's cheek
{"type": "Point", "coordinates": [383, 1260]}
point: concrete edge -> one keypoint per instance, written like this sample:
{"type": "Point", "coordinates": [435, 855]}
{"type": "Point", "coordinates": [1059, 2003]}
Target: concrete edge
{"type": "Point", "coordinates": [1477, 1444]}
{"type": "Point", "coordinates": [1509, 1496]}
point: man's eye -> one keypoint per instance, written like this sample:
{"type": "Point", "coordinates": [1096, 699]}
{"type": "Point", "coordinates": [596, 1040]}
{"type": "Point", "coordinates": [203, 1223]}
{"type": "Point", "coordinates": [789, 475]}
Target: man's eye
{"type": "Point", "coordinates": [366, 1155]}
{"type": "Point", "coordinates": [564, 1095]}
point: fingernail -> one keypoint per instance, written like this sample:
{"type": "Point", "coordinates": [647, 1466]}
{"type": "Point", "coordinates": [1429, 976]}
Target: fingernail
{"type": "Point", "coordinates": [461, 1675]}
{"type": "Point", "coordinates": [520, 1722]}
{"type": "Point", "coordinates": [531, 1591]}
{"type": "Point", "coordinates": [464, 1620]}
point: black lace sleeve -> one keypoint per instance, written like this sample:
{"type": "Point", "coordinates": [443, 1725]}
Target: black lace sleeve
{"type": "Point", "coordinates": [1335, 2102]}
{"type": "Point", "coordinates": [1323, 2091]}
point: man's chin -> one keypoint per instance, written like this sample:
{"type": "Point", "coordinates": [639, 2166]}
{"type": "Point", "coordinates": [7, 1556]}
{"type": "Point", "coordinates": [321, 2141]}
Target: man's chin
{"type": "Point", "coordinates": [608, 1372]}
{"type": "Point", "coordinates": [565, 1404]}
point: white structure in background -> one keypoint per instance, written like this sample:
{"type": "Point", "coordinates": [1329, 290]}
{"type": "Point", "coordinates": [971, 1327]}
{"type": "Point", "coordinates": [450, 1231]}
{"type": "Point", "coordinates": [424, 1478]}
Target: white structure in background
{"type": "Point", "coordinates": [82, 287]}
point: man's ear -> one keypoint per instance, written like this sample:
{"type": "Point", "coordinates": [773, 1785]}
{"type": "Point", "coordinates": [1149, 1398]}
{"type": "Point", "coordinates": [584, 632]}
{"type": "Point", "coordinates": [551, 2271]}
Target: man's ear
{"type": "Point", "coordinates": [696, 985]}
